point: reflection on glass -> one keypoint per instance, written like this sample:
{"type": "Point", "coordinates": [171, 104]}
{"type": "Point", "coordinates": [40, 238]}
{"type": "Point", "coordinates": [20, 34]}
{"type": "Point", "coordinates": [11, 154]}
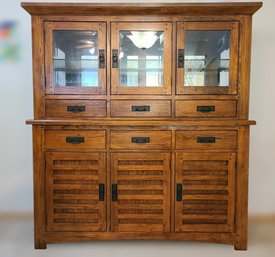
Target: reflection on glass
{"type": "Point", "coordinates": [75, 58]}
{"type": "Point", "coordinates": [141, 58]}
{"type": "Point", "coordinates": [207, 56]}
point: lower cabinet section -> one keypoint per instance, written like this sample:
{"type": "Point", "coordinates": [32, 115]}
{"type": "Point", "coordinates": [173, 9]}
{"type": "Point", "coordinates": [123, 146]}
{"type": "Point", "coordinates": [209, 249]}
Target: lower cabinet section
{"type": "Point", "coordinates": [140, 192]}
{"type": "Point", "coordinates": [205, 192]}
{"type": "Point", "coordinates": [75, 191]}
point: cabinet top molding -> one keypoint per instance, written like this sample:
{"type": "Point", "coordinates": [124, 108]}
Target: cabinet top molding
{"type": "Point", "coordinates": [226, 8]}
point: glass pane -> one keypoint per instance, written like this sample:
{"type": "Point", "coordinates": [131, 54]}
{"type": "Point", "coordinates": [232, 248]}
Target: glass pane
{"type": "Point", "coordinates": [75, 58]}
{"type": "Point", "coordinates": [207, 55]}
{"type": "Point", "coordinates": [141, 58]}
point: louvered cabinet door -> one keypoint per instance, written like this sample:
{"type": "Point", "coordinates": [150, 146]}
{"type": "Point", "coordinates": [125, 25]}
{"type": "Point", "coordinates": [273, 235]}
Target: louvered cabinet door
{"type": "Point", "coordinates": [75, 191]}
{"type": "Point", "coordinates": [205, 192]}
{"type": "Point", "coordinates": [140, 192]}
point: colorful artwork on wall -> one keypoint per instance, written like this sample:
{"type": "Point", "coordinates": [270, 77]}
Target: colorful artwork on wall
{"type": "Point", "coordinates": [9, 45]}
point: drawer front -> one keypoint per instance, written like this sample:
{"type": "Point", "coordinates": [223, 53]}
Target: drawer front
{"type": "Point", "coordinates": [206, 140]}
{"type": "Point", "coordinates": [75, 108]}
{"type": "Point", "coordinates": [141, 108]}
{"type": "Point", "coordinates": [206, 108]}
{"type": "Point", "coordinates": [141, 139]}
{"type": "Point", "coordinates": [75, 139]}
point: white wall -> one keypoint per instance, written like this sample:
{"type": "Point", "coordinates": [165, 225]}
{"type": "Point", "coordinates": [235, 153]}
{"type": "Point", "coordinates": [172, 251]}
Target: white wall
{"type": "Point", "coordinates": [16, 107]}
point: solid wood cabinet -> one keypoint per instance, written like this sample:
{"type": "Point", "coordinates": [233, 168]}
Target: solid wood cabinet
{"type": "Point", "coordinates": [141, 126]}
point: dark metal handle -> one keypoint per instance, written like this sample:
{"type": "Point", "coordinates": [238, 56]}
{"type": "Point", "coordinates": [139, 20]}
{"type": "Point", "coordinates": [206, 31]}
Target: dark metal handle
{"type": "Point", "coordinates": [75, 140]}
{"type": "Point", "coordinates": [179, 192]}
{"type": "Point", "coordinates": [141, 140]}
{"type": "Point", "coordinates": [71, 108]}
{"type": "Point", "coordinates": [101, 192]}
{"type": "Point", "coordinates": [101, 63]}
{"type": "Point", "coordinates": [206, 140]}
{"type": "Point", "coordinates": [141, 108]}
{"type": "Point", "coordinates": [180, 58]}
{"type": "Point", "coordinates": [114, 192]}
{"type": "Point", "coordinates": [114, 58]}
{"type": "Point", "coordinates": [205, 108]}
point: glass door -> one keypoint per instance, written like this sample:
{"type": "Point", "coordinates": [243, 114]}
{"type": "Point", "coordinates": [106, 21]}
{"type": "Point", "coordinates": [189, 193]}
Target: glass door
{"type": "Point", "coordinates": [207, 58]}
{"type": "Point", "coordinates": [141, 58]}
{"type": "Point", "coordinates": [75, 57]}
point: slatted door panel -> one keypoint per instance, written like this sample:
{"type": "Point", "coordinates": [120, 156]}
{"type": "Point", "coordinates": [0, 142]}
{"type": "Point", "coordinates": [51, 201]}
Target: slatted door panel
{"type": "Point", "coordinates": [141, 181]}
{"type": "Point", "coordinates": [75, 188]}
{"type": "Point", "coordinates": [205, 192]}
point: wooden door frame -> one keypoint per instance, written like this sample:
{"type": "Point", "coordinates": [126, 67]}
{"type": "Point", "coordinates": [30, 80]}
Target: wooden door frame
{"type": "Point", "coordinates": [49, 27]}
{"type": "Point", "coordinates": [166, 27]}
{"type": "Point", "coordinates": [233, 27]}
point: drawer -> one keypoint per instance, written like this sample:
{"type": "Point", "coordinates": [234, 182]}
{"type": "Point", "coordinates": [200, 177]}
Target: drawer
{"type": "Point", "coordinates": [75, 139]}
{"type": "Point", "coordinates": [206, 140]}
{"type": "Point", "coordinates": [206, 108]}
{"type": "Point", "coordinates": [140, 139]}
{"type": "Point", "coordinates": [140, 108]}
{"type": "Point", "coordinates": [75, 108]}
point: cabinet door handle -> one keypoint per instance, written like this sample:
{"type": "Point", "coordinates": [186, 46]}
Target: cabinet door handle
{"type": "Point", "coordinates": [205, 108]}
{"type": "Point", "coordinates": [205, 140]}
{"type": "Point", "coordinates": [114, 58]}
{"type": "Point", "coordinates": [140, 140]}
{"type": "Point", "coordinates": [75, 140]}
{"type": "Point", "coordinates": [101, 192]}
{"type": "Point", "coordinates": [114, 192]}
{"type": "Point", "coordinates": [74, 108]}
{"type": "Point", "coordinates": [179, 192]}
{"type": "Point", "coordinates": [140, 108]}
{"type": "Point", "coordinates": [180, 58]}
{"type": "Point", "coordinates": [101, 63]}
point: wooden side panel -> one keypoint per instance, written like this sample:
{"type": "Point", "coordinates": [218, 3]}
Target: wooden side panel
{"type": "Point", "coordinates": [143, 192]}
{"type": "Point", "coordinates": [72, 191]}
{"type": "Point", "coordinates": [64, 108]}
{"type": "Point", "coordinates": [206, 202]}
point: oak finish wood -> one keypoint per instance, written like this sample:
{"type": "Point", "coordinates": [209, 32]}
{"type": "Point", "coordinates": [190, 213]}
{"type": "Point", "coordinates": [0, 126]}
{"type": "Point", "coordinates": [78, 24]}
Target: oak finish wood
{"type": "Point", "coordinates": [214, 175]}
{"type": "Point", "coordinates": [123, 108]}
{"type": "Point", "coordinates": [59, 108]}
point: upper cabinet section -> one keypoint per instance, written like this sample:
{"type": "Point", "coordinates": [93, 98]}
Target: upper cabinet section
{"type": "Point", "coordinates": [75, 57]}
{"type": "Point", "coordinates": [141, 58]}
{"type": "Point", "coordinates": [207, 57]}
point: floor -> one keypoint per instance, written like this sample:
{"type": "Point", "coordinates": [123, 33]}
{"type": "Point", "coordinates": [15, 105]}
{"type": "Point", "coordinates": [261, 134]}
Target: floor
{"type": "Point", "coordinates": [16, 239]}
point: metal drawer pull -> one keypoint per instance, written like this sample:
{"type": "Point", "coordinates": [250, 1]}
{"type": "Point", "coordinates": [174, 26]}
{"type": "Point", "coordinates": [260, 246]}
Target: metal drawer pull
{"type": "Point", "coordinates": [205, 108]}
{"type": "Point", "coordinates": [72, 108]}
{"type": "Point", "coordinates": [101, 192]}
{"type": "Point", "coordinates": [179, 192]}
{"type": "Point", "coordinates": [101, 63]}
{"type": "Point", "coordinates": [141, 108]}
{"type": "Point", "coordinates": [75, 140]}
{"type": "Point", "coordinates": [114, 192]}
{"type": "Point", "coordinates": [114, 58]}
{"type": "Point", "coordinates": [181, 58]}
{"type": "Point", "coordinates": [206, 140]}
{"type": "Point", "coordinates": [140, 140]}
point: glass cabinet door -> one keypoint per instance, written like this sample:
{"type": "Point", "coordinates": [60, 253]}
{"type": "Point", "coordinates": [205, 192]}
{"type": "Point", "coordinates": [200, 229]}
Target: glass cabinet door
{"type": "Point", "coordinates": [75, 56]}
{"type": "Point", "coordinates": [141, 58]}
{"type": "Point", "coordinates": [207, 58]}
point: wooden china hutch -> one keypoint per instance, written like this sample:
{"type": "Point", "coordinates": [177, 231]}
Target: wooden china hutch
{"type": "Point", "coordinates": [141, 126]}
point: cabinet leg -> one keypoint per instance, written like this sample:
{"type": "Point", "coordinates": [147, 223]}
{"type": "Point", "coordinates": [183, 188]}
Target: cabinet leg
{"type": "Point", "coordinates": [40, 244]}
{"type": "Point", "coordinates": [241, 244]}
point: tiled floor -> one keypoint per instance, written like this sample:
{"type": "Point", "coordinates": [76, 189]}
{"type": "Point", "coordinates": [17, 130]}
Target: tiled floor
{"type": "Point", "coordinates": [16, 240]}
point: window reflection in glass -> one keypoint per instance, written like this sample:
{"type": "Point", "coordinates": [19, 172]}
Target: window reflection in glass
{"type": "Point", "coordinates": [207, 56]}
{"type": "Point", "coordinates": [141, 58]}
{"type": "Point", "coordinates": [75, 58]}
